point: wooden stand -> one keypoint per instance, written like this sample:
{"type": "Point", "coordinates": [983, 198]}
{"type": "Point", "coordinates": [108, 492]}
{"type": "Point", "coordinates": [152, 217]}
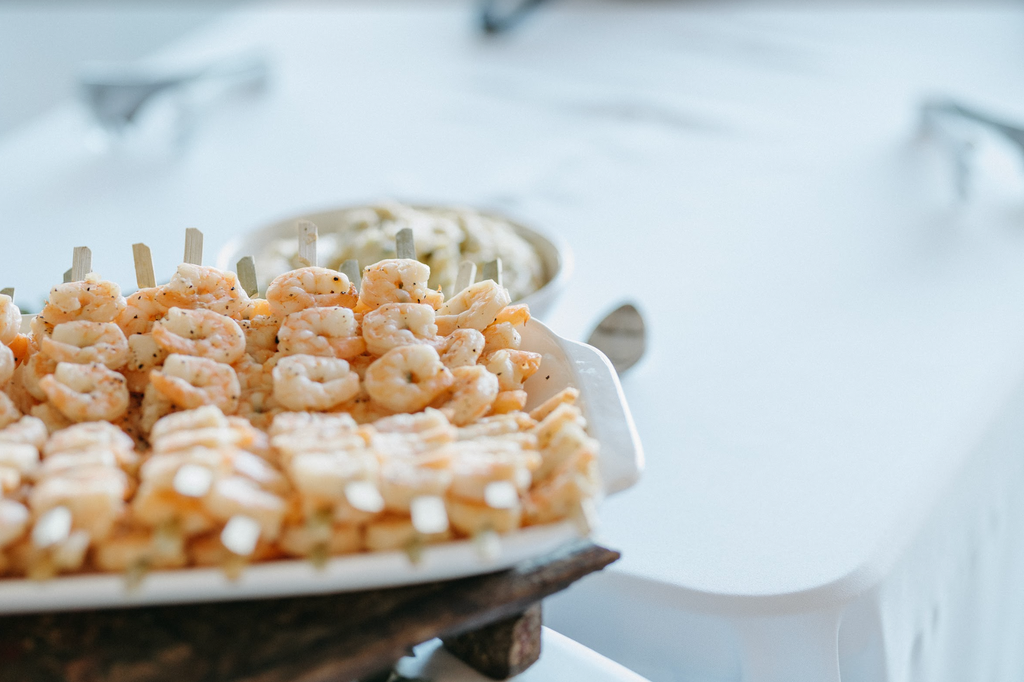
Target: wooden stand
{"type": "Point", "coordinates": [492, 622]}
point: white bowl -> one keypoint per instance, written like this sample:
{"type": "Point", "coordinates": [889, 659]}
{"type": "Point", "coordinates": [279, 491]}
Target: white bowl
{"type": "Point", "coordinates": [553, 251]}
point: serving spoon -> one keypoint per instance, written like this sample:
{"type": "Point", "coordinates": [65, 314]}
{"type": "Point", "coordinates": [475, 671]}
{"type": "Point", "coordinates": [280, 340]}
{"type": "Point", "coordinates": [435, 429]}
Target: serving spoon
{"type": "Point", "coordinates": [621, 335]}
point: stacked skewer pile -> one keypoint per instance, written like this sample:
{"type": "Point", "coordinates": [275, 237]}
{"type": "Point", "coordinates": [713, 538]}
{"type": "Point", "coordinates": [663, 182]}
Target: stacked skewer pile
{"type": "Point", "coordinates": [196, 424]}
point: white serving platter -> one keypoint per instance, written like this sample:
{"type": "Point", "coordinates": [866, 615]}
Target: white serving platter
{"type": "Point", "coordinates": [565, 363]}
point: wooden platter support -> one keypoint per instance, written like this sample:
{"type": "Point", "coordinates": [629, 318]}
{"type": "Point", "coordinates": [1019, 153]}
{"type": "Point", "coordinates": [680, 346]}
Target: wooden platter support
{"type": "Point", "coordinates": [492, 622]}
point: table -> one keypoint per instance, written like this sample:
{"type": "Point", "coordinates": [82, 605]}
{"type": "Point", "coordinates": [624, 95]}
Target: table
{"type": "Point", "coordinates": [829, 403]}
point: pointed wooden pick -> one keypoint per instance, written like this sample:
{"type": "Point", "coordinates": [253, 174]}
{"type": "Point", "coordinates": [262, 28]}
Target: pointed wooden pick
{"type": "Point", "coordinates": [67, 275]}
{"type": "Point", "coordinates": [307, 243]}
{"type": "Point", "coordinates": [81, 263]}
{"type": "Point", "coordinates": [404, 245]}
{"type": "Point", "coordinates": [9, 291]}
{"type": "Point", "coordinates": [193, 246]}
{"type": "Point", "coordinates": [467, 275]}
{"type": "Point", "coordinates": [492, 270]}
{"type": "Point", "coordinates": [246, 269]}
{"type": "Point", "coordinates": [350, 268]}
{"type": "Point", "coordinates": [145, 277]}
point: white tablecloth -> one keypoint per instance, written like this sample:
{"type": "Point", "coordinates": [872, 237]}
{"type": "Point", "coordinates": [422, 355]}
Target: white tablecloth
{"type": "Point", "coordinates": [830, 403]}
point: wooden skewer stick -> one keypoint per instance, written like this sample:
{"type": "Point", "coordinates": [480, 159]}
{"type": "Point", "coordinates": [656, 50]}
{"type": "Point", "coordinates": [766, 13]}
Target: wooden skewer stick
{"type": "Point", "coordinates": [67, 275]}
{"type": "Point", "coordinates": [307, 243]}
{"type": "Point", "coordinates": [350, 268]}
{"type": "Point", "coordinates": [467, 275]}
{"type": "Point", "coordinates": [492, 270]}
{"type": "Point", "coordinates": [81, 263]}
{"type": "Point", "coordinates": [9, 291]}
{"type": "Point", "coordinates": [145, 277]}
{"type": "Point", "coordinates": [193, 246]}
{"type": "Point", "coordinates": [405, 247]}
{"type": "Point", "coordinates": [246, 269]}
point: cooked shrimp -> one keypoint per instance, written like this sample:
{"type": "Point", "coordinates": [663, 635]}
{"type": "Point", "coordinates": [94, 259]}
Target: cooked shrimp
{"type": "Point", "coordinates": [462, 348]}
{"type": "Point", "coordinates": [407, 378]}
{"type": "Point", "coordinates": [515, 315]}
{"type": "Point", "coordinates": [28, 430]}
{"type": "Point", "coordinates": [40, 328]}
{"type": "Point", "coordinates": [501, 335]}
{"type": "Point", "coordinates": [129, 550]}
{"type": "Point", "coordinates": [86, 392]}
{"type": "Point", "coordinates": [306, 540]}
{"type": "Point", "coordinates": [144, 354]}
{"type": "Point", "coordinates": [473, 393]}
{"type": "Point", "coordinates": [397, 280]}
{"type": "Point", "coordinates": [402, 480]}
{"type": "Point", "coordinates": [10, 320]}
{"type": "Point", "coordinates": [471, 518]}
{"type": "Point", "coordinates": [93, 299]}
{"type": "Point", "coordinates": [258, 307]}
{"type": "Point", "coordinates": [330, 332]}
{"type": "Point", "coordinates": [512, 367]}
{"type": "Point", "coordinates": [94, 435]}
{"type": "Point", "coordinates": [509, 401]}
{"type": "Point", "coordinates": [256, 401]}
{"type": "Point", "coordinates": [154, 407]}
{"type": "Point", "coordinates": [260, 337]}
{"type": "Point", "coordinates": [6, 365]}
{"type": "Point", "coordinates": [475, 307]}
{"type": "Point", "coordinates": [393, 532]}
{"type": "Point", "coordinates": [202, 333]}
{"type": "Point", "coordinates": [9, 412]}
{"type": "Point", "coordinates": [306, 382]}
{"type": "Point", "coordinates": [51, 416]}
{"type": "Point", "coordinates": [398, 324]}
{"type": "Point", "coordinates": [190, 382]}
{"type": "Point", "coordinates": [141, 311]}
{"type": "Point", "coordinates": [565, 494]}
{"type": "Point", "coordinates": [82, 342]}
{"type": "Point", "coordinates": [21, 346]}
{"type": "Point", "coordinates": [566, 395]}
{"type": "Point", "coordinates": [310, 287]}
{"type": "Point", "coordinates": [14, 518]}
{"type": "Point", "coordinates": [240, 496]}
{"type": "Point", "coordinates": [95, 501]}
{"type": "Point", "coordinates": [205, 287]}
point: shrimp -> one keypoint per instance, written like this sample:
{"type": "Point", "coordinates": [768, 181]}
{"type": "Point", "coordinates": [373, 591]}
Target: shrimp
{"type": "Point", "coordinates": [40, 328]}
{"type": "Point", "coordinates": [49, 415]}
{"type": "Point", "coordinates": [27, 430]}
{"type": "Point", "coordinates": [407, 378]}
{"type": "Point", "coordinates": [202, 333]}
{"type": "Point", "coordinates": [205, 287]}
{"type": "Point", "coordinates": [95, 500]}
{"type": "Point", "coordinates": [154, 407]}
{"type": "Point", "coordinates": [330, 332]}
{"type": "Point", "coordinates": [501, 335]}
{"type": "Point", "coordinates": [256, 402]}
{"type": "Point", "coordinates": [129, 550]}
{"type": "Point", "coordinates": [475, 307]}
{"type": "Point", "coordinates": [9, 412]}
{"type": "Point", "coordinates": [92, 435]}
{"type": "Point", "coordinates": [566, 395]}
{"type": "Point", "coordinates": [471, 518]}
{"type": "Point", "coordinates": [512, 367]}
{"type": "Point", "coordinates": [306, 382]}
{"type": "Point", "coordinates": [397, 280]}
{"type": "Point", "coordinates": [258, 307]}
{"type": "Point", "coordinates": [82, 342]}
{"type": "Point", "coordinates": [93, 299]}
{"type": "Point", "coordinates": [235, 495]}
{"type": "Point", "coordinates": [144, 354]}
{"type": "Point", "coordinates": [14, 518]}
{"type": "Point", "coordinates": [260, 337]}
{"type": "Point", "coordinates": [190, 382]}
{"type": "Point", "coordinates": [462, 348]}
{"type": "Point", "coordinates": [473, 393]}
{"type": "Point", "coordinates": [141, 311]}
{"type": "Point", "coordinates": [515, 315]}
{"type": "Point", "coordinates": [307, 540]}
{"type": "Point", "coordinates": [398, 324]}
{"type": "Point", "coordinates": [21, 346]}
{"type": "Point", "coordinates": [10, 320]}
{"type": "Point", "coordinates": [393, 532]}
{"type": "Point", "coordinates": [310, 287]}
{"type": "Point", "coordinates": [509, 401]}
{"type": "Point", "coordinates": [7, 364]}
{"type": "Point", "coordinates": [86, 392]}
